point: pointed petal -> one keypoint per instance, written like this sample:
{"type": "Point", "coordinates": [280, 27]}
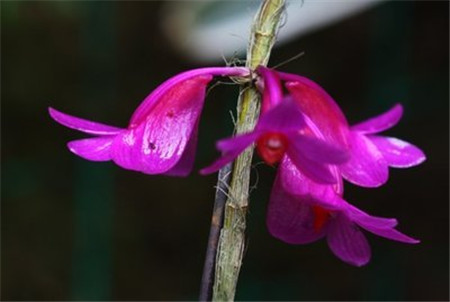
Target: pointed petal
{"type": "Point", "coordinates": [381, 122]}
{"type": "Point", "coordinates": [82, 124]}
{"type": "Point", "coordinates": [238, 142]}
{"type": "Point", "coordinates": [367, 166]}
{"type": "Point", "coordinates": [317, 104]}
{"type": "Point", "coordinates": [380, 226]}
{"type": "Point", "coordinates": [347, 242]}
{"type": "Point", "coordinates": [398, 153]}
{"type": "Point", "coordinates": [285, 117]}
{"type": "Point", "coordinates": [392, 234]}
{"type": "Point", "coordinates": [290, 218]}
{"type": "Point", "coordinates": [95, 149]}
{"type": "Point", "coordinates": [296, 183]}
{"type": "Point", "coordinates": [231, 148]}
{"type": "Point", "coordinates": [317, 150]}
{"type": "Point", "coordinates": [364, 219]}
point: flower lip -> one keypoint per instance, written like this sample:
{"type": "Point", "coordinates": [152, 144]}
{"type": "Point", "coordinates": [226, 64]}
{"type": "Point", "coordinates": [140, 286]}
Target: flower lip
{"type": "Point", "coordinates": [271, 147]}
{"type": "Point", "coordinates": [321, 217]}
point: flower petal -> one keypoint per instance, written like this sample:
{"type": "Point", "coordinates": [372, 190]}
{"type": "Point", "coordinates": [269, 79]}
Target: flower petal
{"type": "Point", "coordinates": [364, 219]}
{"type": "Point", "coordinates": [347, 242]}
{"type": "Point", "coordinates": [318, 172]}
{"type": "Point", "coordinates": [317, 104]}
{"type": "Point", "coordinates": [398, 153]}
{"type": "Point", "coordinates": [231, 148]}
{"type": "Point", "coordinates": [186, 162]}
{"type": "Point", "coordinates": [175, 87]}
{"type": "Point", "coordinates": [391, 234]}
{"type": "Point", "coordinates": [291, 218]}
{"type": "Point", "coordinates": [240, 141]}
{"type": "Point", "coordinates": [82, 124]}
{"type": "Point", "coordinates": [272, 90]}
{"type": "Point", "coordinates": [380, 226]}
{"type": "Point", "coordinates": [95, 149]}
{"type": "Point", "coordinates": [126, 149]}
{"type": "Point", "coordinates": [285, 117]}
{"type": "Point", "coordinates": [158, 144]}
{"type": "Point", "coordinates": [296, 183]}
{"type": "Point", "coordinates": [367, 166]}
{"type": "Point", "coordinates": [381, 122]}
{"type": "Point", "coordinates": [317, 150]}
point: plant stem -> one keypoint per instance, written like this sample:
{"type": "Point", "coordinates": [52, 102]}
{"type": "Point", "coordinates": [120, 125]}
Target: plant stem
{"type": "Point", "coordinates": [214, 232]}
{"type": "Point", "coordinates": [232, 236]}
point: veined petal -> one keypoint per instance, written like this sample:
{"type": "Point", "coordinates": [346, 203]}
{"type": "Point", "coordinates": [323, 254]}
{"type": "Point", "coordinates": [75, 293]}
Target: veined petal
{"type": "Point", "coordinates": [347, 242]}
{"type": "Point", "coordinates": [82, 124]}
{"type": "Point", "coordinates": [175, 87]}
{"type": "Point", "coordinates": [381, 122]}
{"type": "Point", "coordinates": [367, 166]}
{"type": "Point", "coordinates": [398, 153]}
{"type": "Point", "coordinates": [95, 149]}
{"type": "Point", "coordinates": [290, 218]}
{"type": "Point", "coordinates": [317, 104]}
{"type": "Point", "coordinates": [231, 148]}
{"type": "Point", "coordinates": [158, 143]}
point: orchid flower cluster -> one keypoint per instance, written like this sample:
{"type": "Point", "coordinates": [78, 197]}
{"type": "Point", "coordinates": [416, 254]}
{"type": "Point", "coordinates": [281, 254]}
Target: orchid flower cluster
{"type": "Point", "coordinates": [300, 128]}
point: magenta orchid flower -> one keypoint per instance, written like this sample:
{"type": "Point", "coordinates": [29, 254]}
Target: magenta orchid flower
{"type": "Point", "coordinates": [309, 127]}
{"type": "Point", "coordinates": [161, 137]}
{"type": "Point", "coordinates": [282, 131]}
{"type": "Point", "coordinates": [300, 126]}
{"type": "Point", "coordinates": [370, 154]}
{"type": "Point", "coordinates": [301, 211]}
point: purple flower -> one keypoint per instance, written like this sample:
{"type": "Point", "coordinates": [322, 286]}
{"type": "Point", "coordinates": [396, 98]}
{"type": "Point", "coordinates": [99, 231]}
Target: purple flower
{"type": "Point", "coordinates": [306, 125]}
{"type": "Point", "coordinates": [282, 131]}
{"type": "Point", "coordinates": [370, 154]}
{"type": "Point", "coordinates": [161, 137]}
{"type": "Point", "coordinates": [301, 211]}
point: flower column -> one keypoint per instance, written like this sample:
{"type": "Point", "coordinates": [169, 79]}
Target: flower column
{"type": "Point", "coordinates": [232, 237]}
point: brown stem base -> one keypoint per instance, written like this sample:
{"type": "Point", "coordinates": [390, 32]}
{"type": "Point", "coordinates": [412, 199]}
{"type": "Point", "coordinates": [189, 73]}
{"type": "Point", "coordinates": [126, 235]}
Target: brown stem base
{"type": "Point", "coordinates": [214, 233]}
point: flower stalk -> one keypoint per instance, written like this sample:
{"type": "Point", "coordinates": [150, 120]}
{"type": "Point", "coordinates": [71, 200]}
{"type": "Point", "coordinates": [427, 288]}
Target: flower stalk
{"type": "Point", "coordinates": [232, 236]}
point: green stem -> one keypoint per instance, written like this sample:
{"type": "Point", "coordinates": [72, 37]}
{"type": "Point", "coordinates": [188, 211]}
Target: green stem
{"type": "Point", "coordinates": [232, 237]}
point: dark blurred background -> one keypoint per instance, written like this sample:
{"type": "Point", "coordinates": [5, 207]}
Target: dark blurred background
{"type": "Point", "coordinates": [77, 230]}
